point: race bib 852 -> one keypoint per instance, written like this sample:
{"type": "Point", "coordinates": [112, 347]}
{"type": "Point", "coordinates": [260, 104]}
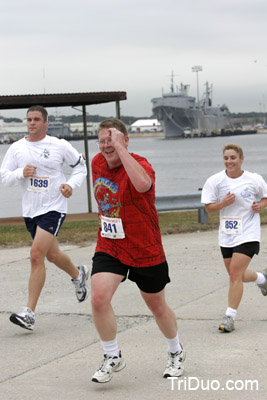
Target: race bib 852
{"type": "Point", "coordinates": [232, 225]}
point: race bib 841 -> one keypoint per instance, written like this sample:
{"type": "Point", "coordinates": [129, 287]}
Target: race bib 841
{"type": "Point", "coordinates": [112, 228]}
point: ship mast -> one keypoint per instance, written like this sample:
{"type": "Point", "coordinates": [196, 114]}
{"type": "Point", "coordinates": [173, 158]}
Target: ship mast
{"type": "Point", "coordinates": [197, 69]}
{"type": "Point", "coordinates": [172, 82]}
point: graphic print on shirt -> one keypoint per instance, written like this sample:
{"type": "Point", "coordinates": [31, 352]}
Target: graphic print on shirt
{"type": "Point", "coordinates": [45, 154]}
{"type": "Point", "coordinates": [43, 157]}
{"type": "Point", "coordinates": [245, 193]}
{"type": "Point", "coordinates": [108, 197]}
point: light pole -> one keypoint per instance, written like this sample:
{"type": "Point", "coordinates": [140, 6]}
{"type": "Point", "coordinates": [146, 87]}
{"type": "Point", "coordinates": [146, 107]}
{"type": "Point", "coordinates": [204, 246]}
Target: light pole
{"type": "Point", "coordinates": [196, 69]}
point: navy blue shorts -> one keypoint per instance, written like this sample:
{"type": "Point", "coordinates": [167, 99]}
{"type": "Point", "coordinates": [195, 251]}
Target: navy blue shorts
{"type": "Point", "coordinates": [50, 222]}
{"type": "Point", "coordinates": [248, 248]}
{"type": "Point", "coordinates": [148, 279]}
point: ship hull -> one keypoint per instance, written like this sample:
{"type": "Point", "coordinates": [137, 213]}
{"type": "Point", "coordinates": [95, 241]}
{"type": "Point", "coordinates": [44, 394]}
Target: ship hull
{"type": "Point", "coordinates": [176, 120]}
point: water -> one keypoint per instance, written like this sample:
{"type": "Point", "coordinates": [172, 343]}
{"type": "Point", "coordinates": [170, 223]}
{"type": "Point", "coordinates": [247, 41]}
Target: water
{"type": "Point", "coordinates": [181, 166]}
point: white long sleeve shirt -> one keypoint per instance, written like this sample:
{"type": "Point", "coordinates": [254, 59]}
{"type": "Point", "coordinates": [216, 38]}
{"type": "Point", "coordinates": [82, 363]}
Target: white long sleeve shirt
{"type": "Point", "coordinates": [41, 193]}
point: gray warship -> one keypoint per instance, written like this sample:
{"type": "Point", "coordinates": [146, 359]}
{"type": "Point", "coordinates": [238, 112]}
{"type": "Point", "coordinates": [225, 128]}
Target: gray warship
{"type": "Point", "coordinates": [178, 112]}
{"type": "Point", "coordinates": [58, 128]}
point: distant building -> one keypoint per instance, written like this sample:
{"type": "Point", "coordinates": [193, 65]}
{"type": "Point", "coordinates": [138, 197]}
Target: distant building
{"type": "Point", "coordinates": [145, 125]}
{"type": "Point", "coordinates": [77, 127]}
{"type": "Point", "coordinates": [13, 127]}
{"type": "Point", "coordinates": [11, 131]}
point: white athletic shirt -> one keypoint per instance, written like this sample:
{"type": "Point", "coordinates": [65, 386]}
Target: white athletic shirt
{"type": "Point", "coordinates": [41, 193]}
{"type": "Point", "coordinates": [238, 223]}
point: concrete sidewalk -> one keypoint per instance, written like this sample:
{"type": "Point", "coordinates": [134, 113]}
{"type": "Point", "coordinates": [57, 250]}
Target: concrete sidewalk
{"type": "Point", "coordinates": [56, 361]}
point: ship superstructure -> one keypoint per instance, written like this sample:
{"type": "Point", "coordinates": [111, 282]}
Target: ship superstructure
{"type": "Point", "coordinates": [178, 111]}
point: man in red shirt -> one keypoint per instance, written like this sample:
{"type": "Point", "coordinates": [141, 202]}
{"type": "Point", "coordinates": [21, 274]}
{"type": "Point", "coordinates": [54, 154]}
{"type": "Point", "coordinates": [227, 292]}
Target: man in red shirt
{"type": "Point", "coordinates": [129, 245]}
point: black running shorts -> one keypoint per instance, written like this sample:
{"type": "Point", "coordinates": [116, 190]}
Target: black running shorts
{"type": "Point", "coordinates": [148, 279]}
{"type": "Point", "coordinates": [248, 248]}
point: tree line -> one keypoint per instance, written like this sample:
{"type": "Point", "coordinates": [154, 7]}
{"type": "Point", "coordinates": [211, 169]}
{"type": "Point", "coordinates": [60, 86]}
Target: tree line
{"type": "Point", "coordinates": [128, 120]}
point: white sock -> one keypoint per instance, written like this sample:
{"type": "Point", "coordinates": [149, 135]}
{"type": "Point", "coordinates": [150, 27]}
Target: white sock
{"type": "Point", "coordinates": [29, 310]}
{"type": "Point", "coordinates": [260, 278]}
{"type": "Point", "coordinates": [174, 344]}
{"type": "Point", "coordinates": [111, 347]}
{"type": "Point", "coordinates": [231, 312]}
{"type": "Point", "coordinates": [79, 276]}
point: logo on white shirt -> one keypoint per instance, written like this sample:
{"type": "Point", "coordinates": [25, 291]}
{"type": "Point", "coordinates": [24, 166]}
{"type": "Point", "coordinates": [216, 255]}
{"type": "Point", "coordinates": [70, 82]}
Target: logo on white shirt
{"type": "Point", "coordinates": [45, 154]}
{"type": "Point", "coordinates": [245, 193]}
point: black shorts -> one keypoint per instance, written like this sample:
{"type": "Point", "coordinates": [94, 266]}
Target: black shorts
{"type": "Point", "coordinates": [248, 248]}
{"type": "Point", "coordinates": [148, 279]}
{"type": "Point", "coordinates": [50, 222]}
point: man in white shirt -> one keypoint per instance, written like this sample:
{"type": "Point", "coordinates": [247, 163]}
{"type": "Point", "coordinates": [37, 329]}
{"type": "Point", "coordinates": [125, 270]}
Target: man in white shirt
{"type": "Point", "coordinates": [35, 162]}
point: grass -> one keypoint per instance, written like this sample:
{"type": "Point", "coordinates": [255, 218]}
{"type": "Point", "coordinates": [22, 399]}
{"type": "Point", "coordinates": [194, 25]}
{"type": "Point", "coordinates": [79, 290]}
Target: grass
{"type": "Point", "coordinates": [185, 221]}
{"type": "Point", "coordinates": [84, 232]}
{"type": "Point", "coordinates": [77, 232]}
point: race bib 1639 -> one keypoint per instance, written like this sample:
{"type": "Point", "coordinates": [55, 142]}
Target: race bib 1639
{"type": "Point", "coordinates": [38, 184]}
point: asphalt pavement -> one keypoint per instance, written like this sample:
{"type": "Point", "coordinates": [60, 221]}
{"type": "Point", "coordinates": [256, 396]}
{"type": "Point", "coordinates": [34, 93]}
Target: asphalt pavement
{"type": "Point", "coordinates": [57, 360]}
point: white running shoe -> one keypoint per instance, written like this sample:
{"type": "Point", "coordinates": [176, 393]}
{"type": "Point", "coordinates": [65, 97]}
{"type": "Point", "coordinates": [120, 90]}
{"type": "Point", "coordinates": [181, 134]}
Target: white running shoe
{"type": "Point", "coordinates": [263, 286]}
{"type": "Point", "coordinates": [81, 289]}
{"type": "Point", "coordinates": [175, 365]}
{"type": "Point", "coordinates": [228, 324]}
{"type": "Point", "coordinates": [109, 365]}
{"type": "Point", "coordinates": [25, 319]}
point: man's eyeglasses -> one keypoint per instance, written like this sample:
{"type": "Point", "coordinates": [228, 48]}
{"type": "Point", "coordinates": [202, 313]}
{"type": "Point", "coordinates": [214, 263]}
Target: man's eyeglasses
{"type": "Point", "coordinates": [101, 143]}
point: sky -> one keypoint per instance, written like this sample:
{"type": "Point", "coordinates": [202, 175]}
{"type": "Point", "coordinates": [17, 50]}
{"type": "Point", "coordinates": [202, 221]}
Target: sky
{"type": "Point", "coordinates": [63, 46]}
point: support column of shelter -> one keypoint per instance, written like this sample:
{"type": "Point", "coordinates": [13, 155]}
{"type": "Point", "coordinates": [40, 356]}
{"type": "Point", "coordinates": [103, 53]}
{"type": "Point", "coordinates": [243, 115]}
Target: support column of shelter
{"type": "Point", "coordinates": [118, 116]}
{"type": "Point", "coordinates": [85, 135]}
{"type": "Point", "coordinates": [89, 201]}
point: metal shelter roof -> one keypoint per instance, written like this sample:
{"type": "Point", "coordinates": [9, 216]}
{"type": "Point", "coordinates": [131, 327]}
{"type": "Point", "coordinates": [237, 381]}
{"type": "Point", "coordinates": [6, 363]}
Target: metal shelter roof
{"type": "Point", "coordinates": [60, 99]}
